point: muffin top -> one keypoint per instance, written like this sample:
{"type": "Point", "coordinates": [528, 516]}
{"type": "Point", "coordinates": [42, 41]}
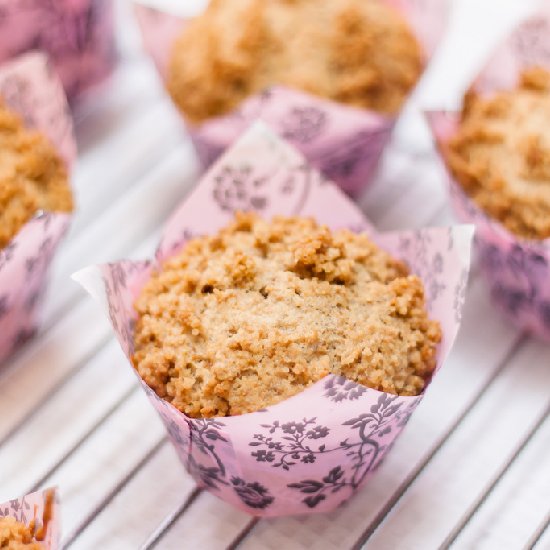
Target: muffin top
{"type": "Point", "coordinates": [33, 176]}
{"type": "Point", "coordinates": [501, 154]}
{"type": "Point", "coordinates": [358, 52]}
{"type": "Point", "coordinates": [255, 314]}
{"type": "Point", "coordinates": [15, 535]}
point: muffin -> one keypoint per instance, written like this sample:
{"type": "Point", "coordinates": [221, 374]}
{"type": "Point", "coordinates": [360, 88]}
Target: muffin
{"type": "Point", "coordinates": [500, 154]}
{"type": "Point", "coordinates": [15, 535]}
{"type": "Point", "coordinates": [357, 52]}
{"type": "Point", "coordinates": [77, 36]}
{"type": "Point", "coordinates": [255, 314]}
{"type": "Point", "coordinates": [33, 176]}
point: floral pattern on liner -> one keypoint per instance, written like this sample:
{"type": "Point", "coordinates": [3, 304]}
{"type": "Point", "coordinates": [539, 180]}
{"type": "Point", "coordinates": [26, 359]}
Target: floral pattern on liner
{"type": "Point", "coordinates": [313, 451]}
{"type": "Point", "coordinates": [34, 506]}
{"type": "Point", "coordinates": [343, 142]}
{"type": "Point", "coordinates": [77, 35]}
{"type": "Point", "coordinates": [517, 270]}
{"type": "Point", "coordinates": [27, 257]}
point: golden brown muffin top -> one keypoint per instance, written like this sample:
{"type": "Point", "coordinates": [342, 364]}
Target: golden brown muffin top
{"type": "Point", "coordinates": [358, 52]}
{"type": "Point", "coordinates": [15, 535]}
{"type": "Point", "coordinates": [501, 154]}
{"type": "Point", "coordinates": [255, 314]}
{"type": "Point", "coordinates": [33, 176]}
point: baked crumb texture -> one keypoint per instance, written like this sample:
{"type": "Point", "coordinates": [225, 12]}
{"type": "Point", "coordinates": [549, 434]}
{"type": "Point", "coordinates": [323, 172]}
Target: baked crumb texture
{"type": "Point", "coordinates": [358, 52]}
{"type": "Point", "coordinates": [254, 315]}
{"type": "Point", "coordinates": [501, 154]}
{"type": "Point", "coordinates": [15, 535]}
{"type": "Point", "coordinates": [32, 176]}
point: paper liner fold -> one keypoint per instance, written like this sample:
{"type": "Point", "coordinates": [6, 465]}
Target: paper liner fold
{"type": "Point", "coordinates": [77, 35]}
{"type": "Point", "coordinates": [527, 45]}
{"type": "Point", "coordinates": [29, 86]}
{"type": "Point", "coordinates": [517, 270]}
{"type": "Point", "coordinates": [345, 143]}
{"type": "Point", "coordinates": [43, 508]}
{"type": "Point", "coordinates": [311, 452]}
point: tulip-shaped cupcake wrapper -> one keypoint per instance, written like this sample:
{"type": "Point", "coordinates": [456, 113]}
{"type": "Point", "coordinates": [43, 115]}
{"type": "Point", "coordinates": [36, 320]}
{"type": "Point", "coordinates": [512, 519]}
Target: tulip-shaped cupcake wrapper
{"type": "Point", "coordinates": [313, 451]}
{"type": "Point", "coordinates": [29, 87]}
{"type": "Point", "coordinates": [39, 509]}
{"type": "Point", "coordinates": [344, 143]}
{"type": "Point", "coordinates": [77, 35]}
{"type": "Point", "coordinates": [517, 270]}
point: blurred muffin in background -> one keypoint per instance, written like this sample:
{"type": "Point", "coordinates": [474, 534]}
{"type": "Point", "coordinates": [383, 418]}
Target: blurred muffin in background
{"type": "Point", "coordinates": [500, 154]}
{"type": "Point", "coordinates": [15, 535]}
{"type": "Point", "coordinates": [33, 177]}
{"type": "Point", "coordinates": [77, 36]}
{"type": "Point", "coordinates": [356, 52]}
{"type": "Point", "coordinates": [255, 314]}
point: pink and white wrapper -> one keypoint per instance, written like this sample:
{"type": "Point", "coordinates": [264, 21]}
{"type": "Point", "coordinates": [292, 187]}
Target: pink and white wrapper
{"type": "Point", "coordinates": [33, 507]}
{"type": "Point", "coordinates": [29, 86]}
{"type": "Point", "coordinates": [313, 451]}
{"type": "Point", "coordinates": [517, 270]}
{"type": "Point", "coordinates": [77, 35]}
{"type": "Point", "coordinates": [344, 143]}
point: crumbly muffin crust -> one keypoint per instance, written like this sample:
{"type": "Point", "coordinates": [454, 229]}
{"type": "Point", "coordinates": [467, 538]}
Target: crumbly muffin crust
{"type": "Point", "coordinates": [32, 176]}
{"type": "Point", "coordinates": [15, 535]}
{"type": "Point", "coordinates": [257, 313]}
{"type": "Point", "coordinates": [501, 154]}
{"type": "Point", "coordinates": [358, 52]}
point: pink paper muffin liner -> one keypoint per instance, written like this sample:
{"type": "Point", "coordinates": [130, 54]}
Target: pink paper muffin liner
{"type": "Point", "coordinates": [344, 143]}
{"type": "Point", "coordinates": [29, 86]}
{"type": "Point", "coordinates": [310, 453]}
{"type": "Point", "coordinates": [517, 270]}
{"type": "Point", "coordinates": [77, 35]}
{"type": "Point", "coordinates": [37, 506]}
